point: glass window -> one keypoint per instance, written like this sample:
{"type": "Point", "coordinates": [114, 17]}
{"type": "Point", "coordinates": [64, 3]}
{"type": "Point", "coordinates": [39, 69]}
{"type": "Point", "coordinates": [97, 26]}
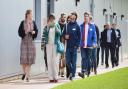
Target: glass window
{"type": "Point", "coordinates": [115, 19]}
{"type": "Point", "coordinates": [106, 18]}
{"type": "Point", "coordinates": [111, 19]}
{"type": "Point", "coordinates": [38, 17]}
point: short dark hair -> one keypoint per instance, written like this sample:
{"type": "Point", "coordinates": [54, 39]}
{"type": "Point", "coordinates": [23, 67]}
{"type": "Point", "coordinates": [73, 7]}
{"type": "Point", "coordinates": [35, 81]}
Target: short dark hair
{"type": "Point", "coordinates": [62, 15]}
{"type": "Point", "coordinates": [51, 16]}
{"type": "Point", "coordinates": [104, 26]}
{"type": "Point", "coordinates": [74, 13]}
{"type": "Point", "coordinates": [86, 13]}
{"type": "Point", "coordinates": [69, 16]}
{"type": "Point", "coordinates": [90, 17]}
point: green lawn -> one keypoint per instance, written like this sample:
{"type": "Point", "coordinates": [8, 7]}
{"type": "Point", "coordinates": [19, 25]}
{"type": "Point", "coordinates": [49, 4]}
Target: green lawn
{"type": "Point", "coordinates": [117, 79]}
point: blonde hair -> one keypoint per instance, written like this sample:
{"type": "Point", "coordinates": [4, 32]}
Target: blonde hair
{"type": "Point", "coordinates": [27, 12]}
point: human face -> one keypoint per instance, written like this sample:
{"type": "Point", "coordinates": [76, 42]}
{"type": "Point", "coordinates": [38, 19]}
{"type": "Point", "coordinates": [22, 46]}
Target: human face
{"type": "Point", "coordinates": [86, 18]}
{"type": "Point", "coordinates": [73, 18]}
{"type": "Point", "coordinates": [63, 18]}
{"type": "Point", "coordinates": [52, 20]}
{"type": "Point", "coordinates": [108, 26]}
{"type": "Point", "coordinates": [29, 16]}
{"type": "Point", "coordinates": [114, 26]}
{"type": "Point", "coordinates": [68, 19]}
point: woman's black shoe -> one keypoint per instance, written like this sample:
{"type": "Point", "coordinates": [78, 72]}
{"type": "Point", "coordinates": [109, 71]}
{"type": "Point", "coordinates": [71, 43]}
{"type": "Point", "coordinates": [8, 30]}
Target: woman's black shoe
{"type": "Point", "coordinates": [23, 77]}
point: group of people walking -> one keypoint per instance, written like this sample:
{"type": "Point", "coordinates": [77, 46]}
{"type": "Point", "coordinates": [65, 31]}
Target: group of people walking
{"type": "Point", "coordinates": [71, 36]}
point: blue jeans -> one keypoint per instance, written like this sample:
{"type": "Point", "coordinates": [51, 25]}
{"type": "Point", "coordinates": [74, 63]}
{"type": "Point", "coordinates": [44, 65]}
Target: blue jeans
{"type": "Point", "coordinates": [93, 58]}
{"type": "Point", "coordinates": [71, 58]}
{"type": "Point", "coordinates": [86, 58]}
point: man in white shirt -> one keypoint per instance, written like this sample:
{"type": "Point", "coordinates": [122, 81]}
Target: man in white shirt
{"type": "Point", "coordinates": [110, 43]}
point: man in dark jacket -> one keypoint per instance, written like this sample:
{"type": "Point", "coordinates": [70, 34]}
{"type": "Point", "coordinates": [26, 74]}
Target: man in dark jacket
{"type": "Point", "coordinates": [110, 44]}
{"type": "Point", "coordinates": [118, 43]}
{"type": "Point", "coordinates": [98, 43]}
{"type": "Point", "coordinates": [72, 35]}
{"type": "Point", "coordinates": [102, 45]}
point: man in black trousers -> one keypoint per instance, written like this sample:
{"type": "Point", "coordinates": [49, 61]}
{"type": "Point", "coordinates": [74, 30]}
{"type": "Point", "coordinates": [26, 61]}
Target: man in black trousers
{"type": "Point", "coordinates": [118, 43]}
{"type": "Point", "coordinates": [102, 45]}
{"type": "Point", "coordinates": [110, 40]}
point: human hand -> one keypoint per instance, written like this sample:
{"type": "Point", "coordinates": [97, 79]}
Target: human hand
{"type": "Point", "coordinates": [94, 45]}
{"type": "Point", "coordinates": [33, 32]}
{"type": "Point", "coordinates": [67, 37]}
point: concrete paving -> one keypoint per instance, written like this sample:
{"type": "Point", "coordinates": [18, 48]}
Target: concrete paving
{"type": "Point", "coordinates": [41, 81]}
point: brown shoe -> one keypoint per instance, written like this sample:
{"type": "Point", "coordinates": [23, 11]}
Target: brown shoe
{"type": "Point", "coordinates": [56, 81]}
{"type": "Point", "coordinates": [51, 81]}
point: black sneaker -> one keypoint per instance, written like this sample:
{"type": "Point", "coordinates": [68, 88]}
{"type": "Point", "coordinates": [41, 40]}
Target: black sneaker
{"type": "Point", "coordinates": [88, 74]}
{"type": "Point", "coordinates": [107, 66]}
{"type": "Point", "coordinates": [95, 72]}
{"type": "Point", "coordinates": [113, 66]}
{"type": "Point", "coordinates": [81, 75]}
{"type": "Point", "coordinates": [23, 76]}
{"type": "Point", "coordinates": [116, 64]}
{"type": "Point", "coordinates": [102, 63]}
{"type": "Point", "coordinates": [67, 75]}
{"type": "Point", "coordinates": [62, 76]}
{"type": "Point", "coordinates": [70, 77]}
